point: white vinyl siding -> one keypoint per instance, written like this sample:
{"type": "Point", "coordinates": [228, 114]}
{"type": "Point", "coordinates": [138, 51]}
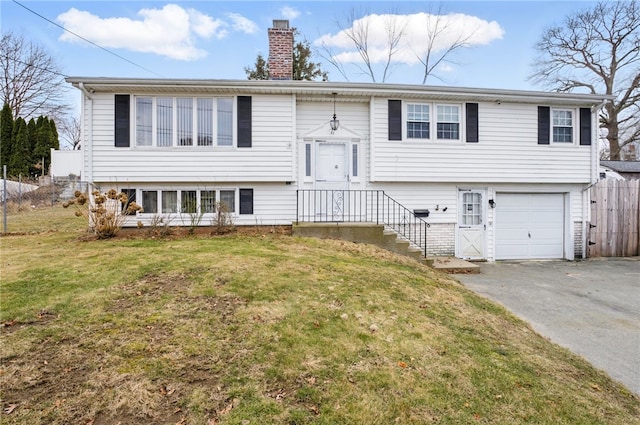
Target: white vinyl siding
{"type": "Point", "coordinates": [270, 158]}
{"type": "Point", "coordinates": [508, 152]}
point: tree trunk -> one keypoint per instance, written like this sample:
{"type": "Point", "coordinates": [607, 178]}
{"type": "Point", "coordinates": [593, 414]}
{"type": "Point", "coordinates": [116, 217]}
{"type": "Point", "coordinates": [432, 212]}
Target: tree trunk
{"type": "Point", "coordinates": [611, 124]}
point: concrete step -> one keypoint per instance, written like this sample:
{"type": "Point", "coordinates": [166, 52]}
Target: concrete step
{"type": "Point", "coordinates": [415, 253]}
{"type": "Point", "coordinates": [452, 265]}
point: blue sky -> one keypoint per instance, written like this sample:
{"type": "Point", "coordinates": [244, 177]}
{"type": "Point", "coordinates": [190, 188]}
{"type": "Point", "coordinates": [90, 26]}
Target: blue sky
{"type": "Point", "coordinates": [218, 39]}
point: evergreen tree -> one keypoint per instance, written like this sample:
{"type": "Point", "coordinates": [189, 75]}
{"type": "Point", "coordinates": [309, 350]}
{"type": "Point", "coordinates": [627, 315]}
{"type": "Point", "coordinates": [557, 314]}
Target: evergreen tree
{"type": "Point", "coordinates": [20, 157]}
{"type": "Point", "coordinates": [260, 70]}
{"type": "Point", "coordinates": [6, 131]}
{"type": "Point", "coordinates": [55, 138]}
{"type": "Point", "coordinates": [41, 148]}
{"type": "Point", "coordinates": [303, 68]}
{"type": "Point", "coordinates": [32, 134]}
{"type": "Point", "coordinates": [47, 139]}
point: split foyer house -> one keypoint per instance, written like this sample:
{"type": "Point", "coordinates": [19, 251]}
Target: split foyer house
{"type": "Point", "coordinates": [497, 174]}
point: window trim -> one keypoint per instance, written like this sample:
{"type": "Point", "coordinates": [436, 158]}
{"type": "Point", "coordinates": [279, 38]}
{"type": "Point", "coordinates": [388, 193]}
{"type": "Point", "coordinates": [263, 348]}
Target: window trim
{"type": "Point", "coordinates": [552, 126]}
{"type": "Point", "coordinates": [459, 122]}
{"type": "Point", "coordinates": [183, 215]}
{"type": "Point", "coordinates": [433, 122]}
{"type": "Point", "coordinates": [174, 126]}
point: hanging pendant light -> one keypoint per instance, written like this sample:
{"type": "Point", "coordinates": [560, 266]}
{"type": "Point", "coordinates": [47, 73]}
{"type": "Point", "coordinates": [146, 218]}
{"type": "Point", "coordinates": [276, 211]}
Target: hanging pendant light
{"type": "Point", "coordinates": [334, 123]}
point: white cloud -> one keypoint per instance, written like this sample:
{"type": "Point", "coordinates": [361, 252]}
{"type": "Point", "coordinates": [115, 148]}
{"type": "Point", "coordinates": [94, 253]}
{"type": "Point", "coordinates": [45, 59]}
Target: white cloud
{"type": "Point", "coordinates": [171, 31]}
{"type": "Point", "coordinates": [452, 28]}
{"type": "Point", "coordinates": [242, 24]}
{"type": "Point", "coordinates": [289, 12]}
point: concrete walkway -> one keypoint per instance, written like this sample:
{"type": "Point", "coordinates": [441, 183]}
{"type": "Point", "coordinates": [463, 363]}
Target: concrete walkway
{"type": "Point", "coordinates": [591, 307]}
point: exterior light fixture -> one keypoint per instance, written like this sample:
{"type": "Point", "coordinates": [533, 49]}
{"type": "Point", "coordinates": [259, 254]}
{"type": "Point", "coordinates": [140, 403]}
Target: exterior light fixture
{"type": "Point", "coordinates": [334, 123]}
{"type": "Point", "coordinates": [492, 203]}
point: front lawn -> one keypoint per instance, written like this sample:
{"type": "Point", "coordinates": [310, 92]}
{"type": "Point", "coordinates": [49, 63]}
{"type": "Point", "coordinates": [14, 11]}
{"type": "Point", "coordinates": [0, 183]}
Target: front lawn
{"type": "Point", "coordinates": [268, 329]}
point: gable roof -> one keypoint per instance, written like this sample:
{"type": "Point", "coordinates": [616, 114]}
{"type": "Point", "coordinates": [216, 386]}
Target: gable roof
{"type": "Point", "coordinates": [364, 91]}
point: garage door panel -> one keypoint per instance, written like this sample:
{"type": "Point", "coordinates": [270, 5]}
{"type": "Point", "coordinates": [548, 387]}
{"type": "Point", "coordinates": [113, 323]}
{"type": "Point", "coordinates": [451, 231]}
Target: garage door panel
{"type": "Point", "coordinates": [529, 226]}
{"type": "Point", "coordinates": [513, 251]}
{"type": "Point", "coordinates": [548, 218]}
{"type": "Point", "coordinates": [544, 251]}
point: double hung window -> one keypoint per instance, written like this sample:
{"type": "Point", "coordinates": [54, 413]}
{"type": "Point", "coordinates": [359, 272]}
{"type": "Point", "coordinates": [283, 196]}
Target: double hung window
{"type": "Point", "coordinates": [421, 115]}
{"type": "Point", "coordinates": [166, 122]}
{"type": "Point", "coordinates": [448, 122]}
{"type": "Point", "coordinates": [562, 126]}
{"type": "Point", "coordinates": [418, 120]}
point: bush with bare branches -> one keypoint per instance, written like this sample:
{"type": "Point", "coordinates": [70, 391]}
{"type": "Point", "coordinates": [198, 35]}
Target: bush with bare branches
{"type": "Point", "coordinates": [106, 212]}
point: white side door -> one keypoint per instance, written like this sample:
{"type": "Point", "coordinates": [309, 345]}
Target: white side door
{"type": "Point", "coordinates": [472, 230]}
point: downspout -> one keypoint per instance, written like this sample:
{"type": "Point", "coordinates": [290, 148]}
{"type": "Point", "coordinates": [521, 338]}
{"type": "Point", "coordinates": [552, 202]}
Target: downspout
{"type": "Point", "coordinates": [595, 163]}
{"type": "Point", "coordinates": [88, 137]}
{"type": "Point", "coordinates": [595, 176]}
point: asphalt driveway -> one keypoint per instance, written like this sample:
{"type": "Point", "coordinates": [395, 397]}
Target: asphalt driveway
{"type": "Point", "coordinates": [591, 307]}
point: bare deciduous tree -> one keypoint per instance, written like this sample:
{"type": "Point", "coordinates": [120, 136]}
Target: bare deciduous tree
{"type": "Point", "coordinates": [32, 83]}
{"type": "Point", "coordinates": [358, 31]}
{"type": "Point", "coordinates": [379, 41]}
{"type": "Point", "coordinates": [430, 56]}
{"type": "Point", "coordinates": [598, 51]}
{"type": "Point", "coordinates": [71, 132]}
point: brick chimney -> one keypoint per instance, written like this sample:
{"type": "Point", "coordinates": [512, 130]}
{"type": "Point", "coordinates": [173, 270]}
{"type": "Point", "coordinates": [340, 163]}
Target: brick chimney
{"type": "Point", "coordinates": [281, 51]}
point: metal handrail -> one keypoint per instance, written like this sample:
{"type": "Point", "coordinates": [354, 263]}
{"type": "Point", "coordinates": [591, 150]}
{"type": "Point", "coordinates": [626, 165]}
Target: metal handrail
{"type": "Point", "coordinates": [361, 206]}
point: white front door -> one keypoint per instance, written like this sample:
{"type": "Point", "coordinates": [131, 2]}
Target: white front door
{"type": "Point", "coordinates": [331, 166]}
{"type": "Point", "coordinates": [472, 227]}
{"type": "Point", "coordinates": [332, 181]}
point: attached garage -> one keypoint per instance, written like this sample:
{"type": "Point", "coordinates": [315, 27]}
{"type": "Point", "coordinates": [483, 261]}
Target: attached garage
{"type": "Point", "coordinates": [529, 226]}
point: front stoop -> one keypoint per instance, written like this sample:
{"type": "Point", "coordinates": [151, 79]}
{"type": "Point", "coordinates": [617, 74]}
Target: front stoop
{"type": "Point", "coordinates": [452, 265]}
{"type": "Point", "coordinates": [376, 234]}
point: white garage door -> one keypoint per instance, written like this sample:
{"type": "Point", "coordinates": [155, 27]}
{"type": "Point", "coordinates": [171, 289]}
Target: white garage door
{"type": "Point", "coordinates": [529, 226]}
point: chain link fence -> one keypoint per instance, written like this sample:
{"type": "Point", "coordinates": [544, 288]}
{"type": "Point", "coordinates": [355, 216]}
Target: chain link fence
{"type": "Point", "coordinates": [21, 198]}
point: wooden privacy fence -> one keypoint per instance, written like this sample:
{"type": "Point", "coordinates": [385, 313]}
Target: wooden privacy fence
{"type": "Point", "coordinates": [615, 219]}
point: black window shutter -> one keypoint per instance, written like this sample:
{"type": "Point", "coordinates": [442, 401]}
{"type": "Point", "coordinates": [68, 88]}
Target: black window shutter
{"type": "Point", "coordinates": [246, 201]}
{"type": "Point", "coordinates": [122, 133]}
{"type": "Point", "coordinates": [244, 121]}
{"type": "Point", "coordinates": [585, 126]}
{"type": "Point", "coordinates": [472, 122]}
{"type": "Point", "coordinates": [395, 119]}
{"type": "Point", "coordinates": [544, 124]}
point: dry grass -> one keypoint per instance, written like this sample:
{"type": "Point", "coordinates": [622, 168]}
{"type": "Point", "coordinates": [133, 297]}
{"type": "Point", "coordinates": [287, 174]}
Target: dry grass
{"type": "Point", "coordinates": [269, 329]}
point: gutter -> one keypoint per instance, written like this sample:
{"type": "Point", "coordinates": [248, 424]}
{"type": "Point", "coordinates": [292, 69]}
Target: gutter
{"type": "Point", "coordinates": [324, 88]}
{"type": "Point", "coordinates": [88, 95]}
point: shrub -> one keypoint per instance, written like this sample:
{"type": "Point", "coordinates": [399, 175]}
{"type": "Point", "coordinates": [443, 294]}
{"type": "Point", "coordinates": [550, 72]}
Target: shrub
{"type": "Point", "coordinates": [222, 220]}
{"type": "Point", "coordinates": [106, 212]}
{"type": "Point", "coordinates": [159, 227]}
